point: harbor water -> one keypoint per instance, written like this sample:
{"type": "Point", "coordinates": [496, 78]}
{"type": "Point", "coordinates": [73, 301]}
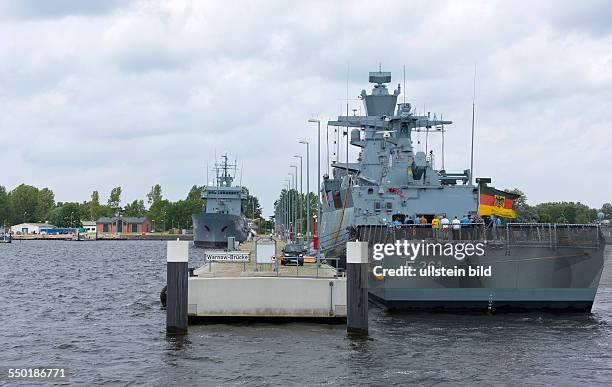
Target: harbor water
{"type": "Point", "coordinates": [93, 307]}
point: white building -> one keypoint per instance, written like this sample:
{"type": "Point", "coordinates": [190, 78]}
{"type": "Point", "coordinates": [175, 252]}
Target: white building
{"type": "Point", "coordinates": [89, 225]}
{"type": "Point", "coordinates": [30, 228]}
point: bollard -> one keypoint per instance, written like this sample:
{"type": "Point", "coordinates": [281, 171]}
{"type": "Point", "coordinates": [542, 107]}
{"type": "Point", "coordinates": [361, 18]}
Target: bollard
{"type": "Point", "coordinates": [357, 289]}
{"type": "Point", "coordinates": [177, 277]}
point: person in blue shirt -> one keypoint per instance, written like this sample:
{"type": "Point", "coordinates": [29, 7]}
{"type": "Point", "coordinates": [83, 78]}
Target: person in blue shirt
{"type": "Point", "coordinates": [464, 224]}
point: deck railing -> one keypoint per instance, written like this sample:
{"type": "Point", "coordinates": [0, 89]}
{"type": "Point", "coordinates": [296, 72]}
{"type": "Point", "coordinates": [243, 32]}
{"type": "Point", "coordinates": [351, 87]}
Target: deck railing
{"type": "Point", "coordinates": [509, 234]}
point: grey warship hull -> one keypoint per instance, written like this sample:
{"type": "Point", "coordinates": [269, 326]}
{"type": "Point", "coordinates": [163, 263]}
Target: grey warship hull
{"type": "Point", "coordinates": [539, 273]}
{"type": "Point", "coordinates": [212, 230]}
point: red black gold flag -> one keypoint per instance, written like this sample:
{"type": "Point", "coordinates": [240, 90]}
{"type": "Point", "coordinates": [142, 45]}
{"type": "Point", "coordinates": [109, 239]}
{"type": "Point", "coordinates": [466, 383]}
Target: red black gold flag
{"type": "Point", "coordinates": [496, 202]}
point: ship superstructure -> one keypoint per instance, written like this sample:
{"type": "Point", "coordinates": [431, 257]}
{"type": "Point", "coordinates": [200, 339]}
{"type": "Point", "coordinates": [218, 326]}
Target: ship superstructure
{"type": "Point", "coordinates": [390, 180]}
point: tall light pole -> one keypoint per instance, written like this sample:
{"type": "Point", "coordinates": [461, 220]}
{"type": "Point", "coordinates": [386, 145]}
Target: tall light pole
{"type": "Point", "coordinates": [327, 147]}
{"type": "Point", "coordinates": [287, 209]}
{"type": "Point", "coordinates": [300, 205]}
{"type": "Point", "coordinates": [292, 204]}
{"type": "Point", "coordinates": [319, 185]}
{"type": "Point", "coordinates": [307, 189]}
{"type": "Point", "coordinates": [295, 203]}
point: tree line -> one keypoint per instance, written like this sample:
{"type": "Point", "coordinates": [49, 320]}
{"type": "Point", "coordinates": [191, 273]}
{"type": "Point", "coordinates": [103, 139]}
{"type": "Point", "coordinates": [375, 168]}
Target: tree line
{"type": "Point", "coordinates": [556, 212]}
{"type": "Point", "coordinates": [298, 209]}
{"type": "Point", "coordinates": [28, 204]}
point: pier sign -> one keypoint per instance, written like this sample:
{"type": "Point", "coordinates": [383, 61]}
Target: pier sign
{"type": "Point", "coordinates": [227, 256]}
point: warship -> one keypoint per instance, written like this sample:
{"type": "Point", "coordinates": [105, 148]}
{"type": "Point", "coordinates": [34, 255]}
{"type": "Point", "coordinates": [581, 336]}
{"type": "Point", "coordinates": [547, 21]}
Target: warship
{"type": "Point", "coordinates": [222, 216]}
{"type": "Point", "coordinates": [391, 186]}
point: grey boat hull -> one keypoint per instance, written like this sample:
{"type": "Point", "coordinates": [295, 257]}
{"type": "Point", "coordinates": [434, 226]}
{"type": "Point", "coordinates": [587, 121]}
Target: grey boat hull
{"type": "Point", "coordinates": [525, 275]}
{"type": "Point", "coordinates": [522, 279]}
{"type": "Point", "coordinates": [212, 230]}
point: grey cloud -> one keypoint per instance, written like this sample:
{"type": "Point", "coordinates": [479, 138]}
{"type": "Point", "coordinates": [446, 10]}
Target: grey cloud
{"type": "Point", "coordinates": [170, 83]}
{"type": "Point", "coordinates": [49, 9]}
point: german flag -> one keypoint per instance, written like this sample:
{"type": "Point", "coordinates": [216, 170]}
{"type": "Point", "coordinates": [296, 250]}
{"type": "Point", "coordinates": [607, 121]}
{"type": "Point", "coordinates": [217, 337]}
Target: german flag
{"type": "Point", "coordinates": [496, 202]}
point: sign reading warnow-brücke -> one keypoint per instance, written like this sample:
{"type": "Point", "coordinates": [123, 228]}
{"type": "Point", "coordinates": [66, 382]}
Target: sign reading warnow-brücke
{"type": "Point", "coordinates": [229, 256]}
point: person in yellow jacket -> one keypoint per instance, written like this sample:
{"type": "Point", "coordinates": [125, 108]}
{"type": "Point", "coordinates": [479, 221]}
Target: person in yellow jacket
{"type": "Point", "coordinates": [435, 225]}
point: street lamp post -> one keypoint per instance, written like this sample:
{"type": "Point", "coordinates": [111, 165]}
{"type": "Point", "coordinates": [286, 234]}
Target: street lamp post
{"type": "Point", "coordinates": [286, 211]}
{"type": "Point", "coordinates": [301, 201]}
{"type": "Point", "coordinates": [292, 204]}
{"type": "Point", "coordinates": [296, 202]}
{"type": "Point", "coordinates": [319, 185]}
{"type": "Point", "coordinates": [307, 189]}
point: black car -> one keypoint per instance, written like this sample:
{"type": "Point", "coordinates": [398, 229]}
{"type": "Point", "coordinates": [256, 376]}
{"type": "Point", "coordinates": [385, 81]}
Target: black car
{"type": "Point", "coordinates": [293, 253]}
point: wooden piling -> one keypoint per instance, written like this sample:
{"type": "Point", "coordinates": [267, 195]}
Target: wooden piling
{"type": "Point", "coordinates": [177, 277]}
{"type": "Point", "coordinates": [357, 287]}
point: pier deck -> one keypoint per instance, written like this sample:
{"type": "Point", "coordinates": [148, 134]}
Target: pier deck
{"type": "Point", "coordinates": [238, 290]}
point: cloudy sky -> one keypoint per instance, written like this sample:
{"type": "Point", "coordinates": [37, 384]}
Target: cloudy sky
{"type": "Point", "coordinates": [97, 94]}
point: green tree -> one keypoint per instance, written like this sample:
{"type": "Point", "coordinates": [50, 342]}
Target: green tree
{"type": "Point", "coordinates": [67, 215]}
{"type": "Point", "coordinates": [94, 209]}
{"type": "Point", "coordinates": [114, 201]}
{"type": "Point", "coordinates": [607, 210]}
{"type": "Point", "coordinates": [193, 203]}
{"type": "Point", "coordinates": [161, 210]}
{"type": "Point", "coordinates": [252, 209]}
{"type": "Point", "coordinates": [524, 212]}
{"type": "Point", "coordinates": [299, 206]}
{"type": "Point", "coordinates": [565, 212]}
{"type": "Point", "coordinates": [136, 209]}
{"type": "Point", "coordinates": [45, 204]}
{"type": "Point", "coordinates": [155, 195]}
{"type": "Point", "coordinates": [23, 204]}
{"type": "Point", "coordinates": [4, 206]}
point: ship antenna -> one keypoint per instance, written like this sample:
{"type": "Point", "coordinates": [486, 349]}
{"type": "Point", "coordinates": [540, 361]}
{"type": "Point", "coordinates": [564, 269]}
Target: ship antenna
{"type": "Point", "coordinates": [216, 172]}
{"type": "Point", "coordinates": [473, 114]}
{"type": "Point", "coordinates": [404, 84]}
{"type": "Point", "coordinates": [348, 72]}
{"type": "Point", "coordinates": [327, 142]}
{"type": "Point", "coordinates": [241, 168]}
{"type": "Point", "coordinates": [427, 133]}
{"type": "Point", "coordinates": [442, 119]}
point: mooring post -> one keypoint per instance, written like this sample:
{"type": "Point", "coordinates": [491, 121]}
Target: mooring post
{"type": "Point", "coordinates": [177, 277]}
{"type": "Point", "coordinates": [357, 287]}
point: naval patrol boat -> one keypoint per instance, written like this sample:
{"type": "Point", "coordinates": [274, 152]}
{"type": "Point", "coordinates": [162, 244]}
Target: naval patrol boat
{"type": "Point", "coordinates": [391, 185]}
{"type": "Point", "coordinates": [222, 215]}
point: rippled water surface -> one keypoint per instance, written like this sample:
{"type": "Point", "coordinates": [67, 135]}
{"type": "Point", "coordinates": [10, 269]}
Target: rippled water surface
{"type": "Point", "coordinates": [94, 307]}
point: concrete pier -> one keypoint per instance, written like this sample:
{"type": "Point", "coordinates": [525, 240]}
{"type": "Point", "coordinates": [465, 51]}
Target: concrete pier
{"type": "Point", "coordinates": [226, 290]}
{"type": "Point", "coordinates": [251, 290]}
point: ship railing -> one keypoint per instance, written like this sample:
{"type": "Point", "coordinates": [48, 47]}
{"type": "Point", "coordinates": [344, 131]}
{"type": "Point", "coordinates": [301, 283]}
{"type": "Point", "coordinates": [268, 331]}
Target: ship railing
{"type": "Point", "coordinates": [553, 234]}
{"type": "Point", "coordinates": [509, 234]}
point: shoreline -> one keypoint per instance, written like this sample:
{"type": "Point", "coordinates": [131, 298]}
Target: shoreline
{"type": "Point", "coordinates": [70, 237]}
